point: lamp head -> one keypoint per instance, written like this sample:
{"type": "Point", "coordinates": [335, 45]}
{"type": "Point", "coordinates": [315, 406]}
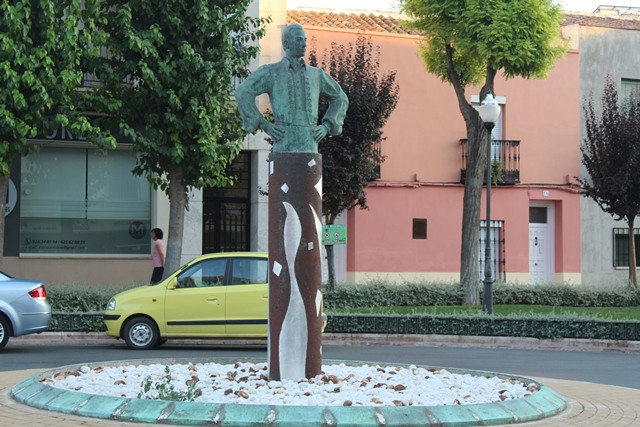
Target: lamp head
{"type": "Point", "coordinates": [489, 110]}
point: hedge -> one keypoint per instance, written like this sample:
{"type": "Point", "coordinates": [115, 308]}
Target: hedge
{"type": "Point", "coordinates": [80, 309]}
{"type": "Point", "coordinates": [542, 328]}
{"type": "Point", "coordinates": [380, 294]}
{"type": "Point", "coordinates": [72, 299]}
{"type": "Point", "coordinates": [533, 327]}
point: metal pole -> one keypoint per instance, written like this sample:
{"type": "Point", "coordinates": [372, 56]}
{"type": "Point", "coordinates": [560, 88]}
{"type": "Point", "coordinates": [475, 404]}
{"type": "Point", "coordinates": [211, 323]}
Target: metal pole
{"type": "Point", "coordinates": [487, 294]}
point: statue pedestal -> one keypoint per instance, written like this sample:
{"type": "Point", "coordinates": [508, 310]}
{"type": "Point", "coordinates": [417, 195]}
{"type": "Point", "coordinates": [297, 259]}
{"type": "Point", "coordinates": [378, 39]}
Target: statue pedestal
{"type": "Point", "coordinates": [295, 277]}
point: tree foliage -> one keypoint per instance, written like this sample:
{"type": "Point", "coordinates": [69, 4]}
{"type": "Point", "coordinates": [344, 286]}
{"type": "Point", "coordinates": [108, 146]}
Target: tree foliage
{"type": "Point", "coordinates": [178, 61]}
{"type": "Point", "coordinates": [467, 43]}
{"type": "Point", "coordinates": [42, 47]}
{"type": "Point", "coordinates": [348, 159]}
{"type": "Point", "coordinates": [611, 156]}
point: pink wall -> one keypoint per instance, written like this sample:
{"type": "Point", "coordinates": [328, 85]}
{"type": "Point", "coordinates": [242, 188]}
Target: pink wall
{"type": "Point", "coordinates": [545, 116]}
{"type": "Point", "coordinates": [423, 132]}
{"type": "Point", "coordinates": [422, 170]}
{"type": "Point", "coordinates": [380, 239]}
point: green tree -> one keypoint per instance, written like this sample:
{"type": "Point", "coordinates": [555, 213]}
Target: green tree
{"type": "Point", "coordinates": [42, 46]}
{"type": "Point", "coordinates": [177, 60]}
{"type": "Point", "coordinates": [611, 156]}
{"type": "Point", "coordinates": [348, 160]}
{"type": "Point", "coordinates": [467, 43]}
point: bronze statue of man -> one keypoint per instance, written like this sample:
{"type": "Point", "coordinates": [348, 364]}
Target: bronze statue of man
{"type": "Point", "coordinates": [295, 199]}
{"type": "Point", "coordinates": [294, 90]}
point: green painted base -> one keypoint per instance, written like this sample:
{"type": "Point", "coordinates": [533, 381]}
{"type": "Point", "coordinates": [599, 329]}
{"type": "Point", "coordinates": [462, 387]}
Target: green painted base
{"type": "Point", "coordinates": [541, 404]}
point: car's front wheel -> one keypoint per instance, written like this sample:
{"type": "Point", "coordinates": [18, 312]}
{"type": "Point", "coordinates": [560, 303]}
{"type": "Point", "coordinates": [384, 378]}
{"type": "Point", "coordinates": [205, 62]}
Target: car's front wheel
{"type": "Point", "coordinates": [5, 331]}
{"type": "Point", "coordinates": [141, 333]}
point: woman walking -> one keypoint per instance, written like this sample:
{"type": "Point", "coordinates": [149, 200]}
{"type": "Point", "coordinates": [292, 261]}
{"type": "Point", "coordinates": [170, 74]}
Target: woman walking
{"type": "Point", "coordinates": [157, 255]}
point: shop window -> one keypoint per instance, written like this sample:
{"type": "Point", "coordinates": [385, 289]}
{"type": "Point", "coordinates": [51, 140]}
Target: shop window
{"type": "Point", "coordinates": [83, 201]}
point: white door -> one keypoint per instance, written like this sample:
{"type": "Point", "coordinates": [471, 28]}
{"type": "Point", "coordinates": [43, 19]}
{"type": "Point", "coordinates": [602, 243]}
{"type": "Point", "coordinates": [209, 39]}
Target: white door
{"type": "Point", "coordinates": [541, 245]}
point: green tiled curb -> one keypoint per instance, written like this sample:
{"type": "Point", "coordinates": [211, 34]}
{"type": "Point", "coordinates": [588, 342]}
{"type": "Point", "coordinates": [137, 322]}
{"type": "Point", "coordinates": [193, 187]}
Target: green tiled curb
{"type": "Point", "coordinates": [31, 391]}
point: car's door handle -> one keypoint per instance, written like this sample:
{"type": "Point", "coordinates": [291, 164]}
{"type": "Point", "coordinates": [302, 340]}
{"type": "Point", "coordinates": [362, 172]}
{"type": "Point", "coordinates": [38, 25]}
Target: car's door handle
{"type": "Point", "coordinates": [265, 296]}
{"type": "Point", "coordinates": [213, 299]}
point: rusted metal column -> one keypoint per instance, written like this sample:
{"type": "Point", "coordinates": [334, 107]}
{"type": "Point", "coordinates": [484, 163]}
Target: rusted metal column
{"type": "Point", "coordinates": [295, 278]}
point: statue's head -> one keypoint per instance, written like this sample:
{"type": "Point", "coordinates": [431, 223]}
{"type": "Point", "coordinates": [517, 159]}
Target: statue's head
{"type": "Point", "coordinates": [294, 40]}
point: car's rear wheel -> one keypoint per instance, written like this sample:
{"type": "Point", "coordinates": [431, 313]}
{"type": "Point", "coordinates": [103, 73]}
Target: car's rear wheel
{"type": "Point", "coordinates": [5, 331]}
{"type": "Point", "coordinates": [141, 333]}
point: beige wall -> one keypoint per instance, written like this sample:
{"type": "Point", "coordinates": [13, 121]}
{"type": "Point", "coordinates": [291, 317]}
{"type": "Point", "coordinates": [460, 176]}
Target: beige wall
{"type": "Point", "coordinates": [107, 271]}
{"type": "Point", "coordinates": [613, 52]}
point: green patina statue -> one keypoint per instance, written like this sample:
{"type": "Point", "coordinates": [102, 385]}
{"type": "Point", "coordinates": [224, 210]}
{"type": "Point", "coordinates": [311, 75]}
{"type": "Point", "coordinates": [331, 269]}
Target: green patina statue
{"type": "Point", "coordinates": [294, 90]}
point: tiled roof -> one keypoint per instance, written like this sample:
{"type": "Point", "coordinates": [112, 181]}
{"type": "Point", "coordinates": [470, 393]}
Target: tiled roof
{"type": "Point", "coordinates": [379, 22]}
{"type": "Point", "coordinates": [593, 20]}
{"type": "Point", "coordinates": [391, 22]}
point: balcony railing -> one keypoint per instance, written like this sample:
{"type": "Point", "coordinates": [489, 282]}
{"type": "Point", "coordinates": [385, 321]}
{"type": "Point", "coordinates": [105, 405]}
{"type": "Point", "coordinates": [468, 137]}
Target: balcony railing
{"type": "Point", "coordinates": [505, 157]}
{"type": "Point", "coordinates": [376, 163]}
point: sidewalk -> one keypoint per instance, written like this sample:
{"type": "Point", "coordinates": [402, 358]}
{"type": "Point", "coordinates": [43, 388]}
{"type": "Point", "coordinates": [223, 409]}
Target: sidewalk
{"type": "Point", "coordinates": [588, 404]}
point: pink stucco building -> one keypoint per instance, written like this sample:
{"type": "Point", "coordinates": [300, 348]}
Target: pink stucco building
{"type": "Point", "coordinates": [535, 212]}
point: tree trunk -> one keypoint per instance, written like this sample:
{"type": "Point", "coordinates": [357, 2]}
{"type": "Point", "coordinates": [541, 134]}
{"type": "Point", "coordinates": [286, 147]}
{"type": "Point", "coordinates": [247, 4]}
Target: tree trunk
{"type": "Point", "coordinates": [4, 189]}
{"type": "Point", "coordinates": [331, 264]}
{"type": "Point", "coordinates": [476, 159]}
{"type": "Point", "coordinates": [633, 278]}
{"type": "Point", "coordinates": [470, 250]}
{"type": "Point", "coordinates": [177, 205]}
{"type": "Point", "coordinates": [331, 268]}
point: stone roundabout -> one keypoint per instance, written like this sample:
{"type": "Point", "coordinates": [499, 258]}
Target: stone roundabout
{"type": "Point", "coordinates": [35, 392]}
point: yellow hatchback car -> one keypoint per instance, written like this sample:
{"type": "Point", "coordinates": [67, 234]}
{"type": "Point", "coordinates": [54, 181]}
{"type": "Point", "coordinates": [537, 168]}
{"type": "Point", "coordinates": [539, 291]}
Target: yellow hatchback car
{"type": "Point", "coordinates": [215, 295]}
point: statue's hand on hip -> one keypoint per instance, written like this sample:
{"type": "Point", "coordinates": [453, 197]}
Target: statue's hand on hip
{"type": "Point", "coordinates": [275, 132]}
{"type": "Point", "coordinates": [319, 132]}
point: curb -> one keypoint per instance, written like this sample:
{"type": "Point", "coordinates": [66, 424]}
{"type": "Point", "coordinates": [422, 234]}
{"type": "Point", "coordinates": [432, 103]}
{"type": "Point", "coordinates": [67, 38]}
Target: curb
{"type": "Point", "coordinates": [33, 392]}
{"type": "Point", "coordinates": [566, 344]}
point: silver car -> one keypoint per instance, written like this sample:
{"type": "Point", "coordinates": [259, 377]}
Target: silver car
{"type": "Point", "coordinates": [24, 308]}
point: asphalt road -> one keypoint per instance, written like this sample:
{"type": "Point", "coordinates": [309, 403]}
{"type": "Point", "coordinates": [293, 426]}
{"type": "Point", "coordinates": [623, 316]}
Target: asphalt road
{"type": "Point", "coordinates": [611, 368]}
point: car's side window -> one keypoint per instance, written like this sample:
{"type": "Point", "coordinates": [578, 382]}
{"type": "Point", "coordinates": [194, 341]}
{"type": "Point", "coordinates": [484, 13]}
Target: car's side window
{"type": "Point", "coordinates": [207, 273]}
{"type": "Point", "coordinates": [249, 271]}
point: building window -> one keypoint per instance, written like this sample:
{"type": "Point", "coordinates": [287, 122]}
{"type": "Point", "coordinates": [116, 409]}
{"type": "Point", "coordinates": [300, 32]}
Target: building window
{"type": "Point", "coordinates": [419, 228]}
{"type": "Point", "coordinates": [621, 246]}
{"type": "Point", "coordinates": [496, 235]}
{"type": "Point", "coordinates": [83, 201]}
{"type": "Point", "coordinates": [537, 215]}
{"type": "Point", "coordinates": [628, 88]}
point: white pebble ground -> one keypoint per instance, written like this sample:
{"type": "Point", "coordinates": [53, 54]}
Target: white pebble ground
{"type": "Point", "coordinates": [338, 385]}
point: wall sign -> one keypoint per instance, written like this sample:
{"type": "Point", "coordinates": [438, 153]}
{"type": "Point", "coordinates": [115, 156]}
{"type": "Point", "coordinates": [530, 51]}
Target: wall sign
{"type": "Point", "coordinates": [334, 234]}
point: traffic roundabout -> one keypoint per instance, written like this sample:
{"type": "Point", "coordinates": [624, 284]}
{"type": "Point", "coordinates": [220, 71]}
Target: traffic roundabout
{"type": "Point", "coordinates": [350, 409]}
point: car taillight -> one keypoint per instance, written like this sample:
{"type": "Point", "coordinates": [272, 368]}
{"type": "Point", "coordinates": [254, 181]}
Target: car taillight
{"type": "Point", "coordinates": [38, 293]}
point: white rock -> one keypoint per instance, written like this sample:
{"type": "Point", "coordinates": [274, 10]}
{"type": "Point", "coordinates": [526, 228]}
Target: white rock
{"type": "Point", "coordinates": [363, 385]}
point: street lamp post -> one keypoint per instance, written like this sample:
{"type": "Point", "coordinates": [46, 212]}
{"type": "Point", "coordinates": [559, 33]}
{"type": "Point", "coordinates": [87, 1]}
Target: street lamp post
{"type": "Point", "coordinates": [489, 113]}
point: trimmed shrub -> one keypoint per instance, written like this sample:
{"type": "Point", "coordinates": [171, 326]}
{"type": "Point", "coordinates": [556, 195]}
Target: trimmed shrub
{"type": "Point", "coordinates": [80, 299]}
{"type": "Point", "coordinates": [381, 294]}
{"type": "Point", "coordinates": [566, 295]}
{"type": "Point", "coordinates": [532, 327]}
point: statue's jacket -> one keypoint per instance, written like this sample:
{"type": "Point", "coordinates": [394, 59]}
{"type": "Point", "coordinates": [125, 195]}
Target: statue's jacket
{"type": "Point", "coordinates": [278, 82]}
